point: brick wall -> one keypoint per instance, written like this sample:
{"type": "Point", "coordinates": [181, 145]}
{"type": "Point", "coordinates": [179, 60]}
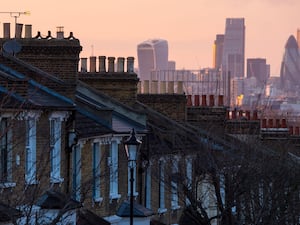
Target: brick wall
{"type": "Point", "coordinates": [121, 86]}
{"type": "Point", "coordinates": [171, 105]}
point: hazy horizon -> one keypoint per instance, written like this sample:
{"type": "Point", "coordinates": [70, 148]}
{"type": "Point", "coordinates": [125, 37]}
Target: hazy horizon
{"type": "Point", "coordinates": [115, 28]}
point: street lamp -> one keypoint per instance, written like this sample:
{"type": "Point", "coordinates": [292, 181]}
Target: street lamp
{"type": "Point", "coordinates": [132, 146]}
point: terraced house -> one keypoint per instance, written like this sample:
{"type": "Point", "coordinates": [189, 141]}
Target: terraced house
{"type": "Point", "coordinates": [62, 146]}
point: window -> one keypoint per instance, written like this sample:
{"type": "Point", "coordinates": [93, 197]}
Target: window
{"type": "Point", "coordinates": [30, 151]}
{"type": "Point", "coordinates": [148, 187]}
{"type": "Point", "coordinates": [76, 172]}
{"type": "Point", "coordinates": [174, 185]}
{"type": "Point", "coordinates": [96, 172]}
{"type": "Point", "coordinates": [161, 187]}
{"type": "Point", "coordinates": [55, 150]}
{"type": "Point", "coordinates": [113, 164]}
{"type": "Point", "coordinates": [189, 177]}
{"type": "Point", "coordinates": [5, 152]}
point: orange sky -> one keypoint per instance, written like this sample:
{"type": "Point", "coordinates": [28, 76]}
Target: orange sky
{"type": "Point", "coordinates": [115, 28]}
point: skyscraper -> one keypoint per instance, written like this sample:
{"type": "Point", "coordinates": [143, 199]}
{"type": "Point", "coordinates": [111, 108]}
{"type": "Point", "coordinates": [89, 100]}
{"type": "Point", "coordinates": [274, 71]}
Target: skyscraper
{"type": "Point", "coordinates": [218, 51]}
{"type": "Point", "coordinates": [298, 37]}
{"type": "Point", "coordinates": [152, 55]}
{"type": "Point", "coordinates": [290, 66]}
{"type": "Point", "coordinates": [258, 68]}
{"type": "Point", "coordinates": [233, 59]}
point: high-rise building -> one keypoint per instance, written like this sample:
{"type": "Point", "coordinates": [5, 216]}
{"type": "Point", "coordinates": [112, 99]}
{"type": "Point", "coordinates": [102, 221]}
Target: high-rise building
{"type": "Point", "coordinates": [298, 37]}
{"type": "Point", "coordinates": [218, 51]}
{"type": "Point", "coordinates": [152, 56]}
{"type": "Point", "coordinates": [290, 66]}
{"type": "Point", "coordinates": [171, 65]}
{"type": "Point", "coordinates": [258, 68]}
{"type": "Point", "coordinates": [233, 60]}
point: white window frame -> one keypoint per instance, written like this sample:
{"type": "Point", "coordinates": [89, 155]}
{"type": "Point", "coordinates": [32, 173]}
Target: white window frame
{"type": "Point", "coordinates": [55, 121]}
{"type": "Point", "coordinates": [148, 183]}
{"type": "Point", "coordinates": [6, 152]}
{"type": "Point", "coordinates": [189, 177]}
{"type": "Point", "coordinates": [113, 170]}
{"type": "Point", "coordinates": [30, 151]}
{"type": "Point", "coordinates": [96, 157]}
{"type": "Point", "coordinates": [76, 172]}
{"type": "Point", "coordinates": [135, 193]}
{"type": "Point", "coordinates": [174, 185]}
{"type": "Point", "coordinates": [162, 206]}
{"type": "Point", "coordinates": [55, 150]}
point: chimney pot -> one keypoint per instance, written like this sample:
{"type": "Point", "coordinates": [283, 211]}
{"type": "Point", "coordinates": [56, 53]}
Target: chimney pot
{"type": "Point", "coordinates": [60, 32]}
{"type": "Point", "coordinates": [130, 64]}
{"type": "Point", "coordinates": [6, 30]}
{"type": "Point", "coordinates": [189, 100]}
{"type": "Point", "coordinates": [111, 64]}
{"type": "Point", "coordinates": [203, 102]}
{"type": "Point", "coordinates": [28, 31]}
{"type": "Point", "coordinates": [102, 64]}
{"type": "Point", "coordinates": [221, 100]}
{"type": "Point", "coordinates": [264, 123]}
{"type": "Point", "coordinates": [93, 64]}
{"type": "Point", "coordinates": [211, 100]}
{"type": "Point", "coordinates": [120, 63]}
{"type": "Point", "coordinates": [19, 27]}
{"type": "Point", "coordinates": [196, 100]}
{"type": "Point", "coordinates": [83, 65]}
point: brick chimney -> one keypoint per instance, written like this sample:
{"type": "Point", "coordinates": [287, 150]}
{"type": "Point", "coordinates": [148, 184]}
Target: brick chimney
{"type": "Point", "coordinates": [119, 84]}
{"type": "Point", "coordinates": [57, 56]}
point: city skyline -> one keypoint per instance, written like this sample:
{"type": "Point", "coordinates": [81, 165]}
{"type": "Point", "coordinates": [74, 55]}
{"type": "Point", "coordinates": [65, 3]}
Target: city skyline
{"type": "Point", "coordinates": [116, 28]}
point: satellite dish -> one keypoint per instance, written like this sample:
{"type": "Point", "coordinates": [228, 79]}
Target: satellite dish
{"type": "Point", "coordinates": [12, 47]}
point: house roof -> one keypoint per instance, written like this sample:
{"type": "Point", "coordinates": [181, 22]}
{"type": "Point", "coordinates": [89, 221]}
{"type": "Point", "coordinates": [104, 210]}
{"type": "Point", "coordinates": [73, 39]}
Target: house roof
{"type": "Point", "coordinates": [138, 210]}
{"type": "Point", "coordinates": [115, 115]}
{"type": "Point", "coordinates": [35, 95]}
{"type": "Point", "coordinates": [87, 217]}
{"type": "Point", "coordinates": [57, 200]}
{"type": "Point", "coordinates": [7, 213]}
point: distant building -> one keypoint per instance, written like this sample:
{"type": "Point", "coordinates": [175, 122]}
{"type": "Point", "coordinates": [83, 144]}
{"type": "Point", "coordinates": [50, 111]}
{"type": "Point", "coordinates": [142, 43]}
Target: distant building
{"type": "Point", "coordinates": [218, 51]}
{"type": "Point", "coordinates": [152, 55]}
{"type": "Point", "coordinates": [258, 68]}
{"type": "Point", "coordinates": [290, 66]}
{"type": "Point", "coordinates": [237, 92]}
{"type": "Point", "coordinates": [233, 59]}
{"type": "Point", "coordinates": [298, 37]}
{"type": "Point", "coordinates": [171, 65]}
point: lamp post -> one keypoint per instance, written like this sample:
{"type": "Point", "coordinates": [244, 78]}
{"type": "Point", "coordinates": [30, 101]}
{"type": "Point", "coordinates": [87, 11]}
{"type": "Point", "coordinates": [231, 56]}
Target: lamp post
{"type": "Point", "coordinates": [131, 146]}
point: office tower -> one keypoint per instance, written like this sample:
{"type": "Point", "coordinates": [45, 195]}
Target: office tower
{"type": "Point", "coordinates": [258, 68]}
{"type": "Point", "coordinates": [152, 56]}
{"type": "Point", "coordinates": [233, 59]}
{"type": "Point", "coordinates": [218, 51]}
{"type": "Point", "coordinates": [290, 66]}
{"type": "Point", "coordinates": [298, 37]}
{"type": "Point", "coordinates": [171, 65]}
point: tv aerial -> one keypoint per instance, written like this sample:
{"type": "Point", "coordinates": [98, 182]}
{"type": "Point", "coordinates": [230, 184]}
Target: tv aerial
{"type": "Point", "coordinates": [16, 15]}
{"type": "Point", "coordinates": [12, 47]}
